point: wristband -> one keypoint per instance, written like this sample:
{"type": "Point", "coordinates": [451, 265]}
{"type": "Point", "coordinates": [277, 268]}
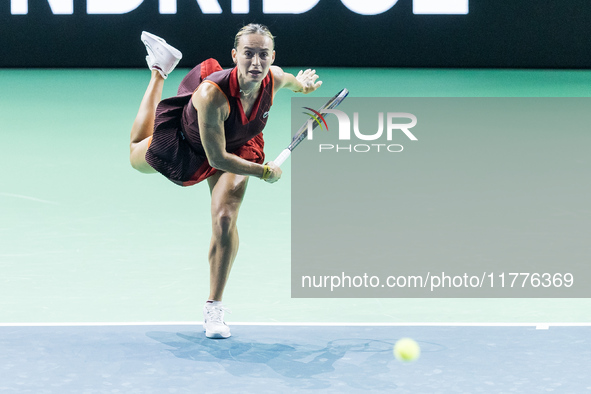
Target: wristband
{"type": "Point", "coordinates": [266, 172]}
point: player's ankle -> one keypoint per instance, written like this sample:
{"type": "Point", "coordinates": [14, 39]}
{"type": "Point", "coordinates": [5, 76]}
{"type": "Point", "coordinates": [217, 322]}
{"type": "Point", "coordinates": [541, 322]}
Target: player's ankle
{"type": "Point", "coordinates": [156, 74]}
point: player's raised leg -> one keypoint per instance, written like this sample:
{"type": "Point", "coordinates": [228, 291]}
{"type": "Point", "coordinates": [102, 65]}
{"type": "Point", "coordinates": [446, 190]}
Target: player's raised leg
{"type": "Point", "coordinates": [162, 59]}
{"type": "Point", "coordinates": [143, 126]}
{"type": "Point", "coordinates": [227, 193]}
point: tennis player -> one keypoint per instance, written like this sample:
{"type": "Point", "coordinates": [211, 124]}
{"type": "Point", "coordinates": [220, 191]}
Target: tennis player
{"type": "Point", "coordinates": [212, 130]}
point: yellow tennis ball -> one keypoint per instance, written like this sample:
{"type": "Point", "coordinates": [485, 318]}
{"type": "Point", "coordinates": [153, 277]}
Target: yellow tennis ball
{"type": "Point", "coordinates": [406, 350]}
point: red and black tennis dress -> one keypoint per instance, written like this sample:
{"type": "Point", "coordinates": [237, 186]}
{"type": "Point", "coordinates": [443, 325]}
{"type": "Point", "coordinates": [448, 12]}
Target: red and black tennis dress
{"type": "Point", "coordinates": [176, 150]}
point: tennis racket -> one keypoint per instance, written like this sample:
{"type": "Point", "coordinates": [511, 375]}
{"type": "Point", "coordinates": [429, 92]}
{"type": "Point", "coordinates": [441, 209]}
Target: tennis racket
{"type": "Point", "coordinates": [303, 131]}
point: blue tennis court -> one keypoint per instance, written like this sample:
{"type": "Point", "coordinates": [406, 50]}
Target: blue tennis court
{"type": "Point", "coordinates": [294, 358]}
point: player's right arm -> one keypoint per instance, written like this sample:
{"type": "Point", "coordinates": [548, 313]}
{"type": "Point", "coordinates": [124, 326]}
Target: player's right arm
{"type": "Point", "coordinates": [212, 110]}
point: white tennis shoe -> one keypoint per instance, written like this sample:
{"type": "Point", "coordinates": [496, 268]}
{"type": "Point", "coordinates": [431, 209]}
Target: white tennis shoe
{"type": "Point", "coordinates": [161, 56]}
{"type": "Point", "coordinates": [213, 321]}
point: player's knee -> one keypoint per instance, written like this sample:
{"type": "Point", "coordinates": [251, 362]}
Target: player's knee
{"type": "Point", "coordinates": [225, 222]}
{"type": "Point", "coordinates": [136, 164]}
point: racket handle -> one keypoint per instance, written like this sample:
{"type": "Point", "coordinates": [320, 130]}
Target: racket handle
{"type": "Point", "coordinates": [282, 157]}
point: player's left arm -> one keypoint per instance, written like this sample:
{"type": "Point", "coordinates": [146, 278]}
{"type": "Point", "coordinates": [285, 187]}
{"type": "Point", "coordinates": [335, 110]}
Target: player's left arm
{"type": "Point", "coordinates": [305, 82]}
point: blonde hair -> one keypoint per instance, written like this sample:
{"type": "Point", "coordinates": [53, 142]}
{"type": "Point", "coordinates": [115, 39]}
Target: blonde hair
{"type": "Point", "coordinates": [253, 28]}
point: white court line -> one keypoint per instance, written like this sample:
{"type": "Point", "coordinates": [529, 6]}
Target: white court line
{"type": "Point", "coordinates": [28, 198]}
{"type": "Point", "coordinates": [540, 326]}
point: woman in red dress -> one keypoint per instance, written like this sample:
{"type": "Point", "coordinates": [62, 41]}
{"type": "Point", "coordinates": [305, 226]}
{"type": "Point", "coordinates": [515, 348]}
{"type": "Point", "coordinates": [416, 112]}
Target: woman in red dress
{"type": "Point", "coordinates": [213, 130]}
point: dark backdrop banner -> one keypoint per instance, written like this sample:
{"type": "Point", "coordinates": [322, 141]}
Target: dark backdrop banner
{"type": "Point", "coordinates": [398, 33]}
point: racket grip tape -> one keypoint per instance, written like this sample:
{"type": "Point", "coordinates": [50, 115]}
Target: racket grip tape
{"type": "Point", "coordinates": [282, 157]}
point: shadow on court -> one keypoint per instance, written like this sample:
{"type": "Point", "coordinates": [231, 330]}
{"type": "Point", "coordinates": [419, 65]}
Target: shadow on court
{"type": "Point", "coordinates": [299, 365]}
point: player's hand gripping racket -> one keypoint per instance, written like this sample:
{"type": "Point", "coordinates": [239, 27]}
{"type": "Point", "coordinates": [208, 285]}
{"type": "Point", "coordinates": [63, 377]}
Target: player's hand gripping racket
{"type": "Point", "coordinates": [303, 131]}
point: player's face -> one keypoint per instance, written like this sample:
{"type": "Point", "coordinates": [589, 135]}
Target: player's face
{"type": "Point", "coordinates": [253, 57]}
